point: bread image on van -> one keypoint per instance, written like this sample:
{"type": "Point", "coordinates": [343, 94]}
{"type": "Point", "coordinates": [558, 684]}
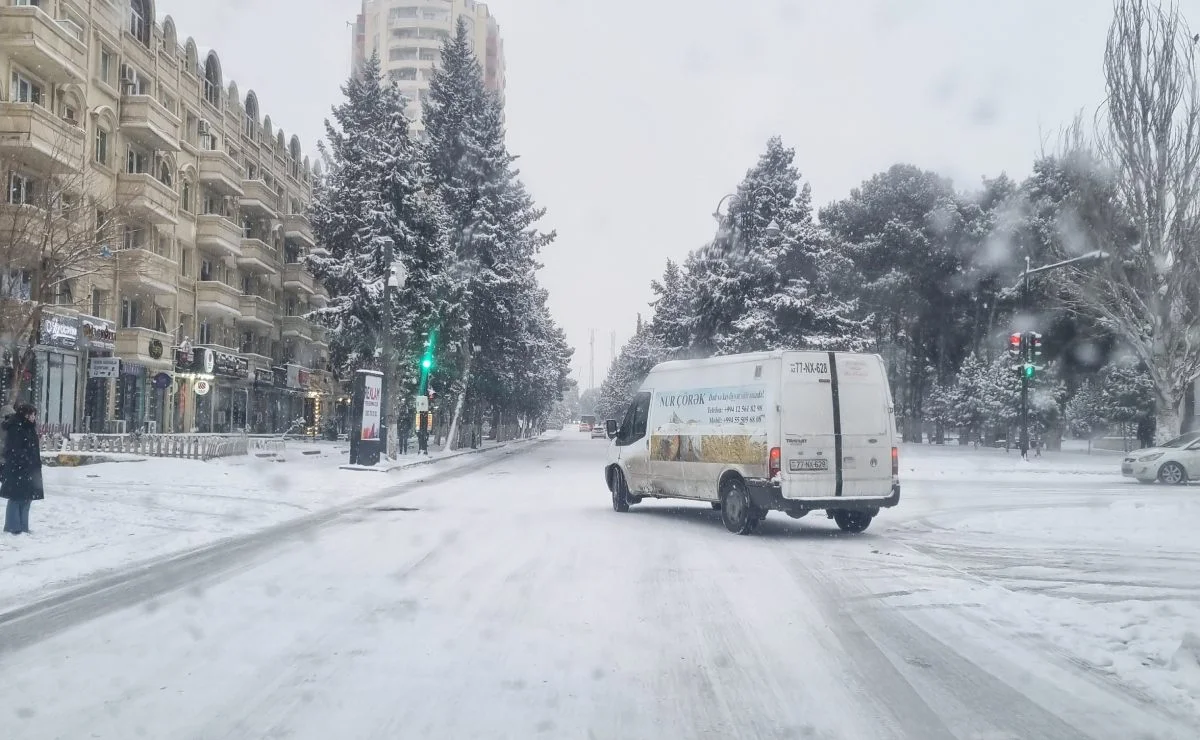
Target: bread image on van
{"type": "Point", "coordinates": [770, 431]}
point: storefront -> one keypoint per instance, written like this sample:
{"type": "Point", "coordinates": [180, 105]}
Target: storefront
{"type": "Point", "coordinates": [103, 371]}
{"type": "Point", "coordinates": [218, 383]}
{"type": "Point", "coordinates": [57, 378]}
{"type": "Point", "coordinates": [263, 409]}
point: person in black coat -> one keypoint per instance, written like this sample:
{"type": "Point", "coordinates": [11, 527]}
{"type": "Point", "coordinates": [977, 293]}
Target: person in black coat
{"type": "Point", "coordinates": [21, 472]}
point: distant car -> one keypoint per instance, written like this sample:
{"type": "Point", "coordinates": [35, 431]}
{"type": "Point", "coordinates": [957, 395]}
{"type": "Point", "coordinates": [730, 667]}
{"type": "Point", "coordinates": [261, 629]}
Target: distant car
{"type": "Point", "coordinates": [598, 432]}
{"type": "Point", "coordinates": [587, 423]}
{"type": "Point", "coordinates": [1173, 463]}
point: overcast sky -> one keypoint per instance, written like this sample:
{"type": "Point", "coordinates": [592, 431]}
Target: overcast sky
{"type": "Point", "coordinates": [633, 118]}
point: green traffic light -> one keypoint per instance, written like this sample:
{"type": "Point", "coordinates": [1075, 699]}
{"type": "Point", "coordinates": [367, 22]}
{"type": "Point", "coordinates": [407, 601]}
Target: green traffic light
{"type": "Point", "coordinates": [1029, 371]}
{"type": "Point", "coordinates": [427, 363]}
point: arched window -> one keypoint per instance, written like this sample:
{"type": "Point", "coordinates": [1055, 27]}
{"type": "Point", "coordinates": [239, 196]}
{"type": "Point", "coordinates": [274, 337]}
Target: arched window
{"type": "Point", "coordinates": [185, 197]}
{"type": "Point", "coordinates": [164, 173]}
{"type": "Point", "coordinates": [251, 122]}
{"type": "Point", "coordinates": [212, 80]}
{"type": "Point", "coordinates": [141, 20]}
{"type": "Point", "coordinates": [294, 151]}
{"type": "Point", "coordinates": [170, 41]}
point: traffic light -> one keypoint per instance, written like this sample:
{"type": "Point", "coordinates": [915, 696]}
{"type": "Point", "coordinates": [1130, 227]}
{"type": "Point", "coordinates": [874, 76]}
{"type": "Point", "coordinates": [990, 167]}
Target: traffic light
{"type": "Point", "coordinates": [1015, 344]}
{"type": "Point", "coordinates": [1035, 347]}
{"type": "Point", "coordinates": [1029, 370]}
{"type": "Point", "coordinates": [427, 360]}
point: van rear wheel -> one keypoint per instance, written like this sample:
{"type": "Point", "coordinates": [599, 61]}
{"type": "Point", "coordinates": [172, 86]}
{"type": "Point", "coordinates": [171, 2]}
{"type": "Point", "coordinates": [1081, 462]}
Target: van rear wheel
{"type": "Point", "coordinates": [738, 512]}
{"type": "Point", "coordinates": [852, 521]}
{"type": "Point", "coordinates": [620, 494]}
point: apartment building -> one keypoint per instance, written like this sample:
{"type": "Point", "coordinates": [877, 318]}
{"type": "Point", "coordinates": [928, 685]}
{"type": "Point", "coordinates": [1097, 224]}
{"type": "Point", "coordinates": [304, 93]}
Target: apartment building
{"type": "Point", "coordinates": [408, 34]}
{"type": "Point", "coordinates": [188, 313]}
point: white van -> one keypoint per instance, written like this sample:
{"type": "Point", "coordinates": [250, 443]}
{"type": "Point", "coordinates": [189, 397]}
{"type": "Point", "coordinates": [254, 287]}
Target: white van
{"type": "Point", "coordinates": [786, 431]}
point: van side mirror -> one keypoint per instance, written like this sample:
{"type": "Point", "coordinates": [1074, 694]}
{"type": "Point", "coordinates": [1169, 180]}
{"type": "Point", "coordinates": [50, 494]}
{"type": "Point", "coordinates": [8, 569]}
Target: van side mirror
{"type": "Point", "coordinates": [610, 427]}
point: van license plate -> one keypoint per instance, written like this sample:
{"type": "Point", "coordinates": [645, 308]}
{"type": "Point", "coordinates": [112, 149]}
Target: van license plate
{"type": "Point", "coordinates": [808, 463]}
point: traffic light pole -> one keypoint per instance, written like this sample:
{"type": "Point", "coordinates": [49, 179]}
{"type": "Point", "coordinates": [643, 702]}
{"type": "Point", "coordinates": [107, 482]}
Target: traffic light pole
{"type": "Point", "coordinates": [1025, 351]}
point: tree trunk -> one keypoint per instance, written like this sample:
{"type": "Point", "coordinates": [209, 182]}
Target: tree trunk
{"type": "Point", "coordinates": [1168, 415]}
{"type": "Point", "coordinates": [458, 405]}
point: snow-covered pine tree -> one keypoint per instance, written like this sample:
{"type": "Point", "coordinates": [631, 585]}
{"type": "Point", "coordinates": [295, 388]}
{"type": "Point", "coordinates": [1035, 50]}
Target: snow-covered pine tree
{"type": "Point", "coordinates": [1084, 412]}
{"type": "Point", "coordinates": [1127, 395]}
{"type": "Point", "coordinates": [673, 312]}
{"type": "Point", "coordinates": [634, 362]}
{"type": "Point", "coordinates": [969, 410]}
{"type": "Point", "coordinates": [372, 196]}
{"type": "Point", "coordinates": [493, 220]}
{"type": "Point", "coordinates": [352, 218]}
{"type": "Point", "coordinates": [756, 290]}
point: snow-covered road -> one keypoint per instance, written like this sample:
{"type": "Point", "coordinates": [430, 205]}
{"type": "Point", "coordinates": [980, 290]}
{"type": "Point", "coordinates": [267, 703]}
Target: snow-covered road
{"type": "Point", "coordinates": [505, 599]}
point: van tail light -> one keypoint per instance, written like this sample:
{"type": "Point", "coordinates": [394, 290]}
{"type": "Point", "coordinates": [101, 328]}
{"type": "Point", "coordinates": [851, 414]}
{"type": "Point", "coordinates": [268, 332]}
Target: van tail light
{"type": "Point", "coordinates": [895, 461]}
{"type": "Point", "coordinates": [773, 461]}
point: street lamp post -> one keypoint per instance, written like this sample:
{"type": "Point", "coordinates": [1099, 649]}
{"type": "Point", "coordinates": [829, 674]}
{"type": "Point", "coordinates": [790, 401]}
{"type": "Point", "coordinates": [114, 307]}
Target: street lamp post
{"type": "Point", "coordinates": [1095, 256]}
{"type": "Point", "coordinates": [772, 229]}
{"type": "Point", "coordinates": [395, 279]}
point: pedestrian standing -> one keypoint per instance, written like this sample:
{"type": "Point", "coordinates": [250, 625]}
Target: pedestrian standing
{"type": "Point", "coordinates": [21, 477]}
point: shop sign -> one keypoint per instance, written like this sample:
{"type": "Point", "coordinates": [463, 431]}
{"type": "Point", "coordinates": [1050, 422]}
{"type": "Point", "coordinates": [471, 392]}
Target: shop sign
{"type": "Point", "coordinates": [162, 381]}
{"type": "Point", "coordinates": [298, 377]}
{"type": "Point", "coordinates": [100, 334]}
{"type": "Point", "coordinates": [184, 361]}
{"type": "Point", "coordinates": [59, 331]}
{"type": "Point", "coordinates": [204, 361]}
{"type": "Point", "coordinates": [202, 387]}
{"type": "Point", "coordinates": [264, 377]}
{"type": "Point", "coordinates": [104, 367]}
{"type": "Point", "coordinates": [229, 365]}
{"type": "Point", "coordinates": [372, 401]}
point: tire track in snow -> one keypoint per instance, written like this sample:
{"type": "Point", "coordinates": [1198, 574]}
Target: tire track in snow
{"type": "Point", "coordinates": [101, 595]}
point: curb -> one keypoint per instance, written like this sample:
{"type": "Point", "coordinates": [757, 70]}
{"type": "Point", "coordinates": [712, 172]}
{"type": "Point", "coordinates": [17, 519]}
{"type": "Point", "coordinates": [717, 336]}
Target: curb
{"type": "Point", "coordinates": [431, 460]}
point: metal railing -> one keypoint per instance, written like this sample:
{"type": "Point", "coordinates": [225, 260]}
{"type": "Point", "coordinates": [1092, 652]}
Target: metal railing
{"type": "Point", "coordinates": [182, 446]}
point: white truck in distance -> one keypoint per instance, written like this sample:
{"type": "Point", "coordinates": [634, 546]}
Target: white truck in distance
{"type": "Point", "coordinates": [784, 431]}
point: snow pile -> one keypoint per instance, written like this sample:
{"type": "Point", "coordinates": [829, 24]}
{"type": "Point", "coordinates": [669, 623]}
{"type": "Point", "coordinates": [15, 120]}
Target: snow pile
{"type": "Point", "coordinates": [954, 462]}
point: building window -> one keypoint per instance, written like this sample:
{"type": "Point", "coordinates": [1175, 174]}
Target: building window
{"type": "Point", "coordinates": [164, 173]}
{"type": "Point", "coordinates": [206, 333]}
{"type": "Point", "coordinates": [131, 313]}
{"type": "Point", "coordinates": [140, 21]}
{"type": "Point", "coordinates": [63, 294]}
{"type": "Point", "coordinates": [101, 146]}
{"type": "Point", "coordinates": [25, 90]}
{"type": "Point", "coordinates": [185, 262]}
{"type": "Point", "coordinates": [404, 73]}
{"type": "Point", "coordinates": [99, 304]}
{"type": "Point", "coordinates": [134, 237]}
{"type": "Point", "coordinates": [212, 82]}
{"type": "Point", "coordinates": [401, 53]}
{"type": "Point", "coordinates": [430, 55]}
{"type": "Point", "coordinates": [137, 162]}
{"type": "Point", "coordinates": [185, 197]}
{"type": "Point", "coordinates": [106, 65]}
{"type": "Point", "coordinates": [22, 189]}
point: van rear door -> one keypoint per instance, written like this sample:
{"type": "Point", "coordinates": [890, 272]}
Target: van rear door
{"type": "Point", "coordinates": [808, 445]}
{"type": "Point", "coordinates": [866, 425]}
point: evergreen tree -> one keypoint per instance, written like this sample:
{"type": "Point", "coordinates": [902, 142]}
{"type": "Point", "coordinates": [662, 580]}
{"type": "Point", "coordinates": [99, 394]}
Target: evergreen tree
{"type": "Point", "coordinates": [634, 362]}
{"type": "Point", "coordinates": [370, 198]}
{"type": "Point", "coordinates": [673, 311]}
{"type": "Point", "coordinates": [757, 290]}
{"type": "Point", "coordinates": [1084, 412]}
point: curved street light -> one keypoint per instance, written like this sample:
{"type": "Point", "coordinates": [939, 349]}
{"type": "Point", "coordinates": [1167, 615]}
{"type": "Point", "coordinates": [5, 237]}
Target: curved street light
{"type": "Point", "coordinates": [773, 229]}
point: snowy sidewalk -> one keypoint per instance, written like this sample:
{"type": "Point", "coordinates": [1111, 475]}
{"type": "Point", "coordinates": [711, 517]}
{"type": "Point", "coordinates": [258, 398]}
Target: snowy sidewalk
{"type": "Point", "coordinates": [102, 517]}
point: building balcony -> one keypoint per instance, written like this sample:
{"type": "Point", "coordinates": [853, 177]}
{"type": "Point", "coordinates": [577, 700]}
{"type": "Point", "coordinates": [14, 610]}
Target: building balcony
{"type": "Point", "coordinates": [298, 279]}
{"type": "Point", "coordinates": [36, 137]}
{"type": "Point", "coordinates": [297, 226]}
{"type": "Point", "coordinates": [258, 257]}
{"type": "Point", "coordinates": [296, 327]}
{"type": "Point", "coordinates": [147, 272]}
{"type": "Point", "coordinates": [218, 235]}
{"type": "Point", "coordinates": [214, 298]}
{"type": "Point", "coordinates": [257, 313]}
{"type": "Point", "coordinates": [259, 199]}
{"type": "Point", "coordinates": [145, 120]}
{"type": "Point", "coordinates": [221, 172]}
{"type": "Point", "coordinates": [320, 296]}
{"type": "Point", "coordinates": [141, 345]}
{"type": "Point", "coordinates": [320, 338]}
{"type": "Point", "coordinates": [142, 194]}
{"type": "Point", "coordinates": [53, 50]}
